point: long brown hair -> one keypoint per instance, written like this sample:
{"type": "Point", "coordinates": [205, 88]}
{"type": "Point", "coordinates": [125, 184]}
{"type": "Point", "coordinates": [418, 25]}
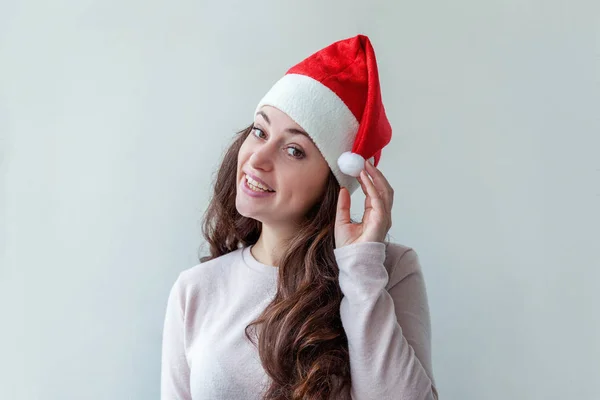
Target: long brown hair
{"type": "Point", "coordinates": [301, 341]}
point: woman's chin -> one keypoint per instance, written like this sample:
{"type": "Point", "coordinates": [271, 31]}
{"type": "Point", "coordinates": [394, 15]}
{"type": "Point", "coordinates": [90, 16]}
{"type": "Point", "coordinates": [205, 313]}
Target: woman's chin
{"type": "Point", "coordinates": [249, 212]}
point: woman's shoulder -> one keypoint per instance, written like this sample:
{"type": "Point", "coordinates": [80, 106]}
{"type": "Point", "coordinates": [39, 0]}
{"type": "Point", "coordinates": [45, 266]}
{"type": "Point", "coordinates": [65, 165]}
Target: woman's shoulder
{"type": "Point", "coordinates": [208, 271]}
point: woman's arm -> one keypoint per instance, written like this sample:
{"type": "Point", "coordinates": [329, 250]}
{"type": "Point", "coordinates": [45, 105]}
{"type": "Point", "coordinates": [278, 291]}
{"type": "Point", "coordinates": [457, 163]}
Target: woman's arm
{"type": "Point", "coordinates": [175, 372]}
{"type": "Point", "coordinates": [389, 334]}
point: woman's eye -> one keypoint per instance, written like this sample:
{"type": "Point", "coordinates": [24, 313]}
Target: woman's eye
{"type": "Point", "coordinates": [255, 129]}
{"type": "Point", "coordinates": [296, 153]}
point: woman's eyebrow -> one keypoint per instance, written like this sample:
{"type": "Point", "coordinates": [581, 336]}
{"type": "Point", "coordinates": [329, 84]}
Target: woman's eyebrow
{"type": "Point", "coordinates": [297, 132]}
{"type": "Point", "coordinates": [290, 130]}
{"type": "Point", "coordinates": [264, 116]}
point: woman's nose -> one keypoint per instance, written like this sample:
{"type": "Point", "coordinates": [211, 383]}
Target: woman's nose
{"type": "Point", "coordinates": [262, 157]}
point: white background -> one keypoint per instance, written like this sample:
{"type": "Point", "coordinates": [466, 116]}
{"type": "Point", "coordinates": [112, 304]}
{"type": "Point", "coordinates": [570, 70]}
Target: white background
{"type": "Point", "coordinates": [115, 114]}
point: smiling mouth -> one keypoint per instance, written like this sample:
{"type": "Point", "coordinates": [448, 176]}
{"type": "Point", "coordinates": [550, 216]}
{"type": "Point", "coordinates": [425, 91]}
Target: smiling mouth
{"type": "Point", "coordinates": [257, 187]}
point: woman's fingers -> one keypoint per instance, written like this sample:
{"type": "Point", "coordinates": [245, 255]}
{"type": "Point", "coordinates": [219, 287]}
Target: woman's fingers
{"type": "Point", "coordinates": [364, 189]}
{"type": "Point", "coordinates": [372, 194]}
{"type": "Point", "coordinates": [378, 177]}
{"type": "Point", "coordinates": [382, 185]}
{"type": "Point", "coordinates": [343, 207]}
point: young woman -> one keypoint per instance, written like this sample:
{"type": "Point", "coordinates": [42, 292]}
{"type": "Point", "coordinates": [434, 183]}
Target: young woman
{"type": "Point", "coordinates": [296, 300]}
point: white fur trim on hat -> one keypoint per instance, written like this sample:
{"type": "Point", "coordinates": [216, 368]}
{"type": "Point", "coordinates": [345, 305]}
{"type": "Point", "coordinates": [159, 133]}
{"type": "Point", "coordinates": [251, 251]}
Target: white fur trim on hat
{"type": "Point", "coordinates": [321, 113]}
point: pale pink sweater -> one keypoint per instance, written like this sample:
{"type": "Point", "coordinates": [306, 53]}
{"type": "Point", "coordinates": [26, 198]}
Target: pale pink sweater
{"type": "Point", "coordinates": [384, 311]}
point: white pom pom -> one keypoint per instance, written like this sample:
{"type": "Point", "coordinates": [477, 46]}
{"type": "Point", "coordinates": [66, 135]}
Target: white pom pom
{"type": "Point", "coordinates": [351, 163]}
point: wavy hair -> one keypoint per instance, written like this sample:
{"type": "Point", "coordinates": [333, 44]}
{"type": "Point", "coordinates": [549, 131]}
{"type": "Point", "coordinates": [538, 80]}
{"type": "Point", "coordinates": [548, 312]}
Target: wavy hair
{"type": "Point", "coordinates": [300, 338]}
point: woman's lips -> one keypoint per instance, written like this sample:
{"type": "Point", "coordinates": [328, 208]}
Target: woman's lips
{"type": "Point", "coordinates": [257, 179]}
{"type": "Point", "coordinates": [246, 189]}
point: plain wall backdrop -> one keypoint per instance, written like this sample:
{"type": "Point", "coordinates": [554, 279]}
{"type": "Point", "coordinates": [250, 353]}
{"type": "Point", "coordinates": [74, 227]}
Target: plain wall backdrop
{"type": "Point", "coordinates": [115, 114]}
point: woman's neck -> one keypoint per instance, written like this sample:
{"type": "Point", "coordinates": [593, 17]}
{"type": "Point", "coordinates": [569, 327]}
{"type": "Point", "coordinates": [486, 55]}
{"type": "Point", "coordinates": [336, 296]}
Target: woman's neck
{"type": "Point", "coordinates": [269, 247]}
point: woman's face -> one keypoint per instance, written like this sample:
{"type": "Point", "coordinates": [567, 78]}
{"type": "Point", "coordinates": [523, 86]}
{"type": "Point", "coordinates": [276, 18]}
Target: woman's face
{"type": "Point", "coordinates": [278, 153]}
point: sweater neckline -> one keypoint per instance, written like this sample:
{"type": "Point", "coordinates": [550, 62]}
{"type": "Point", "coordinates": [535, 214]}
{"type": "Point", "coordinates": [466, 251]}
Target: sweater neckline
{"type": "Point", "coordinates": [254, 264]}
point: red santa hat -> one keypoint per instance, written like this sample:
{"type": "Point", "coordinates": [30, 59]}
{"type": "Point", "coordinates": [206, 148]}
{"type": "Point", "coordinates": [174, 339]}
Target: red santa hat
{"type": "Point", "coordinates": [334, 95]}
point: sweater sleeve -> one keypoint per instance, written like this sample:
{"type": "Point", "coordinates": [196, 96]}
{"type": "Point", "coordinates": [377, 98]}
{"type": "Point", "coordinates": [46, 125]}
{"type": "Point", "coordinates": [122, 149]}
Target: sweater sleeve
{"type": "Point", "coordinates": [388, 331]}
{"type": "Point", "coordinates": [175, 372]}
